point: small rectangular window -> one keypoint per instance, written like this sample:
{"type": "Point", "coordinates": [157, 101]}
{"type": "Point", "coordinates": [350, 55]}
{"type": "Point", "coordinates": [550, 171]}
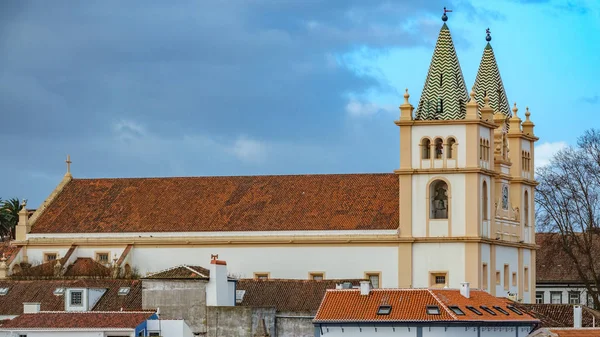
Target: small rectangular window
{"type": "Point", "coordinates": [457, 310]}
{"type": "Point", "coordinates": [501, 310]}
{"type": "Point", "coordinates": [374, 278]}
{"type": "Point", "coordinates": [261, 276]}
{"type": "Point", "coordinates": [59, 291]}
{"type": "Point", "coordinates": [384, 310]}
{"type": "Point", "coordinates": [3, 291]}
{"type": "Point", "coordinates": [497, 277]}
{"type": "Point", "coordinates": [556, 297]}
{"type": "Point", "coordinates": [433, 310]}
{"type": "Point", "coordinates": [49, 257]}
{"type": "Point", "coordinates": [506, 277]}
{"type": "Point", "coordinates": [316, 276]}
{"type": "Point", "coordinates": [438, 279]}
{"type": "Point", "coordinates": [484, 270]}
{"type": "Point", "coordinates": [574, 297]}
{"type": "Point", "coordinates": [76, 298]}
{"type": "Point", "coordinates": [539, 297]}
{"type": "Point", "coordinates": [102, 257]}
{"type": "Point", "coordinates": [488, 310]}
{"type": "Point", "coordinates": [124, 291]}
{"type": "Point", "coordinates": [473, 309]}
{"type": "Point", "coordinates": [526, 279]}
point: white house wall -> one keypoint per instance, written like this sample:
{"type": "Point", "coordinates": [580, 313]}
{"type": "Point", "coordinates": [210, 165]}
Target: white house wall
{"type": "Point", "coordinates": [36, 255]}
{"type": "Point", "coordinates": [430, 257]}
{"type": "Point", "coordinates": [280, 261]}
{"type": "Point", "coordinates": [365, 330]}
{"type": "Point", "coordinates": [62, 333]}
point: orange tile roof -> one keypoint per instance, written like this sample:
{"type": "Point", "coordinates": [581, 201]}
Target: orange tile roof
{"type": "Point", "coordinates": [251, 203]}
{"type": "Point", "coordinates": [81, 320]}
{"type": "Point", "coordinates": [409, 305]}
{"type": "Point", "coordinates": [571, 332]}
{"type": "Point", "coordinates": [8, 251]}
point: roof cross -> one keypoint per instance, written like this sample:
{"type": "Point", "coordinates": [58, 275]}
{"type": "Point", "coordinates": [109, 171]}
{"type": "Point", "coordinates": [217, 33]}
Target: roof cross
{"type": "Point", "coordinates": [445, 17]}
{"type": "Point", "coordinates": [68, 161]}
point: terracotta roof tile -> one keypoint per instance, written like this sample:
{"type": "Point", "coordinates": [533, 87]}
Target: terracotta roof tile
{"type": "Point", "coordinates": [9, 251]}
{"type": "Point", "coordinates": [287, 295]}
{"type": "Point", "coordinates": [553, 265]}
{"type": "Point", "coordinates": [571, 332]}
{"type": "Point", "coordinates": [251, 203]}
{"type": "Point", "coordinates": [560, 315]}
{"type": "Point", "coordinates": [42, 291]}
{"type": "Point", "coordinates": [409, 305]}
{"type": "Point", "coordinates": [87, 267]}
{"type": "Point", "coordinates": [182, 272]}
{"type": "Point", "coordinates": [71, 320]}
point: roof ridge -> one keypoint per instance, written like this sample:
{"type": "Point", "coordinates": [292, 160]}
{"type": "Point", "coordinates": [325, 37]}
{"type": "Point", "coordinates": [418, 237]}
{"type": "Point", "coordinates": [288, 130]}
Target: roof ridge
{"type": "Point", "coordinates": [166, 270]}
{"type": "Point", "coordinates": [443, 304]}
{"type": "Point", "coordinates": [95, 312]}
{"type": "Point", "coordinates": [193, 270]}
{"type": "Point", "coordinates": [240, 176]}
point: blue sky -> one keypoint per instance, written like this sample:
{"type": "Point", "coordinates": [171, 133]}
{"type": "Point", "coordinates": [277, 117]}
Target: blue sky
{"type": "Point", "coordinates": [192, 88]}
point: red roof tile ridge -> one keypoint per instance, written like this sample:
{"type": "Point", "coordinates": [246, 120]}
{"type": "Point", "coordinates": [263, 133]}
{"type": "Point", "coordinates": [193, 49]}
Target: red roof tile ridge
{"type": "Point", "coordinates": [188, 267]}
{"type": "Point", "coordinates": [124, 254]}
{"type": "Point", "coordinates": [13, 255]}
{"type": "Point", "coordinates": [240, 176]}
{"type": "Point", "coordinates": [442, 304]}
{"type": "Point", "coordinates": [96, 312]}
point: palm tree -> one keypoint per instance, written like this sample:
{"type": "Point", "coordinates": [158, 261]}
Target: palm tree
{"type": "Point", "coordinates": [9, 217]}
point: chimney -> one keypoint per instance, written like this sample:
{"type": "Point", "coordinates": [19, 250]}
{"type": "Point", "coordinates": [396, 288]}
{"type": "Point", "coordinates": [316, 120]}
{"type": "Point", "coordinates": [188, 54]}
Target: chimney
{"type": "Point", "coordinates": [465, 290]}
{"type": "Point", "coordinates": [577, 316]}
{"type": "Point", "coordinates": [31, 307]}
{"type": "Point", "coordinates": [365, 287]}
{"type": "Point", "coordinates": [217, 289]}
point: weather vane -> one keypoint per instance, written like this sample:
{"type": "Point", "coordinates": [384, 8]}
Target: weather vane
{"type": "Point", "coordinates": [488, 37]}
{"type": "Point", "coordinates": [445, 17]}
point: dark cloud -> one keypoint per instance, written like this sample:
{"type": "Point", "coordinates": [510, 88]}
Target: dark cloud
{"type": "Point", "coordinates": [193, 87]}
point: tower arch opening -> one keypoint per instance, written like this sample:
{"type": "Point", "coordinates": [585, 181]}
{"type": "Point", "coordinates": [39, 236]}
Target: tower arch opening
{"type": "Point", "coordinates": [439, 199]}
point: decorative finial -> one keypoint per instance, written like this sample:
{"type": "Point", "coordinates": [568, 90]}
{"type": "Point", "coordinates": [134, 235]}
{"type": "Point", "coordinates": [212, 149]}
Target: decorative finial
{"type": "Point", "coordinates": [406, 96]}
{"type": "Point", "coordinates": [472, 94]}
{"type": "Point", "coordinates": [68, 161]}
{"type": "Point", "coordinates": [488, 37]}
{"type": "Point", "coordinates": [514, 109]}
{"type": "Point", "coordinates": [444, 16]}
{"type": "Point", "coordinates": [486, 100]}
{"type": "Point", "coordinates": [24, 203]}
{"type": "Point", "coordinates": [527, 113]}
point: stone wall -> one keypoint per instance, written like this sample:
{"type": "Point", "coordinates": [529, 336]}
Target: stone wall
{"type": "Point", "coordinates": [294, 324]}
{"type": "Point", "coordinates": [177, 299]}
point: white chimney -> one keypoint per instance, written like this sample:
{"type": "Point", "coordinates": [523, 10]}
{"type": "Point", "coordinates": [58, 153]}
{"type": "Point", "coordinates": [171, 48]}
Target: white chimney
{"type": "Point", "coordinates": [465, 290]}
{"type": "Point", "coordinates": [217, 289]}
{"type": "Point", "coordinates": [577, 316]}
{"type": "Point", "coordinates": [31, 308]}
{"type": "Point", "coordinates": [365, 287]}
{"type": "Point", "coordinates": [339, 286]}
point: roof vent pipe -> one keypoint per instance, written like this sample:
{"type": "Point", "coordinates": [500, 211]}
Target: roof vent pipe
{"type": "Point", "coordinates": [465, 290]}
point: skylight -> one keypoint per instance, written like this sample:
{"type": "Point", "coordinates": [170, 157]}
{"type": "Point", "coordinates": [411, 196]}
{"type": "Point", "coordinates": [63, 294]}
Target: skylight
{"type": "Point", "coordinates": [473, 309]}
{"type": "Point", "coordinates": [515, 310]}
{"type": "Point", "coordinates": [3, 291]}
{"type": "Point", "coordinates": [384, 310]}
{"type": "Point", "coordinates": [433, 310]}
{"type": "Point", "coordinates": [501, 310]}
{"type": "Point", "coordinates": [59, 291]}
{"type": "Point", "coordinates": [124, 291]}
{"type": "Point", "coordinates": [456, 310]}
{"type": "Point", "coordinates": [488, 310]}
{"type": "Point", "coordinates": [239, 296]}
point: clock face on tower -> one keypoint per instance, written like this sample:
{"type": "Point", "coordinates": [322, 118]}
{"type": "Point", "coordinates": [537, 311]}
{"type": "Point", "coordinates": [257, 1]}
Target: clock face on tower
{"type": "Point", "coordinates": [505, 197]}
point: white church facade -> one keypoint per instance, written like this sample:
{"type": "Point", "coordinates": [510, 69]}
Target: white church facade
{"type": "Point", "coordinates": [459, 208]}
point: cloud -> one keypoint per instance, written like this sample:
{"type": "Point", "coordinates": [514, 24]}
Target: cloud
{"type": "Point", "coordinates": [545, 151]}
{"type": "Point", "coordinates": [249, 150]}
{"type": "Point", "coordinates": [356, 108]}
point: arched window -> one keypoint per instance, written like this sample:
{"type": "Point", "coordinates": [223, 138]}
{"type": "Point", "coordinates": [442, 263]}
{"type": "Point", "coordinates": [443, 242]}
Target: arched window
{"type": "Point", "coordinates": [450, 151]}
{"type": "Point", "coordinates": [439, 148]}
{"type": "Point", "coordinates": [487, 150]}
{"type": "Point", "coordinates": [526, 209]}
{"type": "Point", "coordinates": [481, 149]}
{"type": "Point", "coordinates": [439, 199]}
{"type": "Point", "coordinates": [426, 148]}
{"type": "Point", "coordinates": [484, 192]}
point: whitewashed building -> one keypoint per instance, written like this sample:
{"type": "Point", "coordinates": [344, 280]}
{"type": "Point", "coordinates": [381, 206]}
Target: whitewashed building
{"type": "Point", "coordinates": [458, 208]}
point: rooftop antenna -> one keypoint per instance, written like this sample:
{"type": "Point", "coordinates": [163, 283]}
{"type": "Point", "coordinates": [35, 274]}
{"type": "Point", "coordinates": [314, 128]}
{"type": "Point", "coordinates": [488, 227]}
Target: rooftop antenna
{"type": "Point", "coordinates": [445, 17]}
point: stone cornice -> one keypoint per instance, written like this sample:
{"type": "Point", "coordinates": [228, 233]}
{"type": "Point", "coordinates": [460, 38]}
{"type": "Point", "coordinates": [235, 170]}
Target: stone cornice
{"type": "Point", "coordinates": [481, 122]}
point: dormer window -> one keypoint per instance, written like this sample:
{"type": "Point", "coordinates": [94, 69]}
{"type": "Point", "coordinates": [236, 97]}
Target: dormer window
{"type": "Point", "coordinates": [455, 309]}
{"type": "Point", "coordinates": [76, 298]}
{"type": "Point", "coordinates": [384, 310]}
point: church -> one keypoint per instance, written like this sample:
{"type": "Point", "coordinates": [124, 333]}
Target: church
{"type": "Point", "coordinates": [458, 208]}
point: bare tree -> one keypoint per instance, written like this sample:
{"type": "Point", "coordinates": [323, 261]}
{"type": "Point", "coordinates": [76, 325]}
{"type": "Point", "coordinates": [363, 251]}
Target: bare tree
{"type": "Point", "coordinates": [568, 197]}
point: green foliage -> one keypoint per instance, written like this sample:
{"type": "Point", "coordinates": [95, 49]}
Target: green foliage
{"type": "Point", "coordinates": [9, 217]}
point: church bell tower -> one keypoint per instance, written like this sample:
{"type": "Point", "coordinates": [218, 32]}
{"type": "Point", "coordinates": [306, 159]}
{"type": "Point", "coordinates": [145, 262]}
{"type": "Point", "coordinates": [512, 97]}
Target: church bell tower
{"type": "Point", "coordinates": [466, 181]}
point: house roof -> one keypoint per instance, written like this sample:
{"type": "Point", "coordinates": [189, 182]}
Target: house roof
{"type": "Point", "coordinates": [242, 203]}
{"type": "Point", "coordinates": [9, 251]}
{"type": "Point", "coordinates": [286, 295]}
{"type": "Point", "coordinates": [553, 265]}
{"type": "Point", "coordinates": [78, 320]}
{"type": "Point", "coordinates": [87, 267]}
{"type": "Point", "coordinates": [42, 291]}
{"type": "Point", "coordinates": [445, 94]}
{"type": "Point", "coordinates": [566, 332]}
{"type": "Point", "coordinates": [181, 272]}
{"type": "Point", "coordinates": [560, 315]}
{"type": "Point", "coordinates": [411, 305]}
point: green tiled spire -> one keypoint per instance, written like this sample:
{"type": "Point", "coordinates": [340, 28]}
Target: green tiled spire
{"type": "Point", "coordinates": [444, 95]}
{"type": "Point", "coordinates": [488, 81]}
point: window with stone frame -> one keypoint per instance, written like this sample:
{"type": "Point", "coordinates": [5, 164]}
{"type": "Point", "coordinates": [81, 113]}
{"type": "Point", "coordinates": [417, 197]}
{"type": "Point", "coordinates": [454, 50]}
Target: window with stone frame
{"type": "Point", "coordinates": [102, 257]}
{"type": "Point", "coordinates": [439, 148]}
{"type": "Point", "coordinates": [374, 279]}
{"type": "Point", "coordinates": [76, 298]}
{"type": "Point", "coordinates": [317, 276]}
{"type": "Point", "coordinates": [438, 192]}
{"type": "Point", "coordinates": [574, 297]}
{"type": "Point", "coordinates": [451, 151]}
{"type": "Point", "coordinates": [556, 297]}
{"type": "Point", "coordinates": [50, 257]}
{"type": "Point", "coordinates": [426, 148]}
{"type": "Point", "coordinates": [539, 297]}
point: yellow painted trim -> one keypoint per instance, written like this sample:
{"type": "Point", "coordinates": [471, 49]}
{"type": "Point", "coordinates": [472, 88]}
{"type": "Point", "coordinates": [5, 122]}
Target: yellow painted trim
{"type": "Point", "coordinates": [46, 253]}
{"type": "Point", "coordinates": [433, 274]}
{"type": "Point", "coordinates": [102, 252]}
{"type": "Point", "coordinates": [312, 274]}
{"type": "Point", "coordinates": [405, 270]}
{"type": "Point", "coordinates": [373, 273]}
{"type": "Point", "coordinates": [472, 264]}
{"type": "Point", "coordinates": [446, 122]}
{"type": "Point", "coordinates": [428, 204]}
